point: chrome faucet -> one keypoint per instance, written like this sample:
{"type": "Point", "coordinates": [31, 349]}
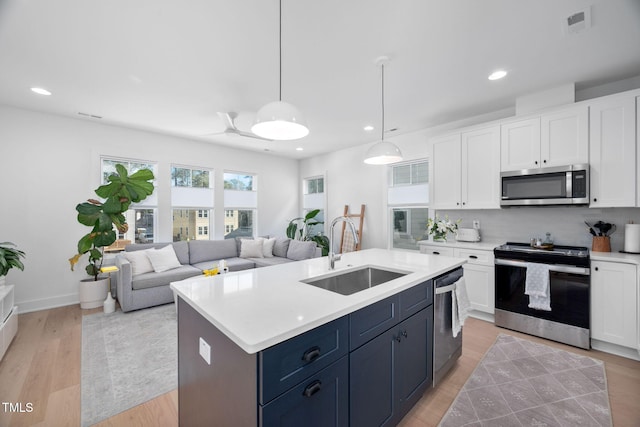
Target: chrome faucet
{"type": "Point", "coordinates": [333, 257]}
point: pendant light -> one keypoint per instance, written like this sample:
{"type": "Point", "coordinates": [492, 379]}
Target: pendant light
{"type": "Point", "coordinates": [279, 120]}
{"type": "Point", "coordinates": [382, 152]}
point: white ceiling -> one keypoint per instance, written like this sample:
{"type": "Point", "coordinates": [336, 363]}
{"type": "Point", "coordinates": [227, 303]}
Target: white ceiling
{"type": "Point", "coordinates": [169, 66]}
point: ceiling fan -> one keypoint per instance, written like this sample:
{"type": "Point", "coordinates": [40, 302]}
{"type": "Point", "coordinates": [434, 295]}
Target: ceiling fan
{"type": "Point", "coordinates": [228, 119]}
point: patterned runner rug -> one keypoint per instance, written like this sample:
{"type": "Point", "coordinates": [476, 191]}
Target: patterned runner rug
{"type": "Point", "coordinates": [127, 359]}
{"type": "Point", "coordinates": [522, 383]}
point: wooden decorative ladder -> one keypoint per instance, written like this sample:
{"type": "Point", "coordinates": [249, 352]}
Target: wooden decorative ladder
{"type": "Point", "coordinates": [347, 243]}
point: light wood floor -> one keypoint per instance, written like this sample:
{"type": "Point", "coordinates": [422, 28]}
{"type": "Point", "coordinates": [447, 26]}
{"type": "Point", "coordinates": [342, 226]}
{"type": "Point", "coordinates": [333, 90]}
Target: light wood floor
{"type": "Point", "coordinates": [42, 367]}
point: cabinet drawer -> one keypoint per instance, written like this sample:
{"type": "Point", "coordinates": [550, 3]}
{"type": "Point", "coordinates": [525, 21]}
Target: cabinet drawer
{"type": "Point", "coordinates": [8, 330]}
{"type": "Point", "coordinates": [371, 321]}
{"type": "Point", "coordinates": [415, 299]}
{"type": "Point", "coordinates": [321, 400]}
{"type": "Point", "coordinates": [287, 364]}
{"type": "Point", "coordinates": [6, 301]}
{"type": "Point", "coordinates": [436, 250]}
{"type": "Point", "coordinates": [474, 256]}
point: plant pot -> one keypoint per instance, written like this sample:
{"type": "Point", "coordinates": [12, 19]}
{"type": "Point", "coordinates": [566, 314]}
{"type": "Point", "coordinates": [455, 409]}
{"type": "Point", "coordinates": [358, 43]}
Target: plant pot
{"type": "Point", "coordinates": [93, 293]}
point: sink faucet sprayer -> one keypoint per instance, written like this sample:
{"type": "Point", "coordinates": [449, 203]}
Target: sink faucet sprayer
{"type": "Point", "coordinates": [333, 257]}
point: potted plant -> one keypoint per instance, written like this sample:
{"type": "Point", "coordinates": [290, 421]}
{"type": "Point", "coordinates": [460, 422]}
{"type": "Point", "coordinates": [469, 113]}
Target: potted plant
{"type": "Point", "coordinates": [9, 258]}
{"type": "Point", "coordinates": [440, 228]}
{"type": "Point", "coordinates": [298, 229]}
{"type": "Point", "coordinates": [105, 218]}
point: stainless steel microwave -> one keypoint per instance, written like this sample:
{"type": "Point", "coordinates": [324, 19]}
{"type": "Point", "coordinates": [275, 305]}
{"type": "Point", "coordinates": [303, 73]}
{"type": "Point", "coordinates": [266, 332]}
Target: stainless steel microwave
{"type": "Point", "coordinates": [561, 185]}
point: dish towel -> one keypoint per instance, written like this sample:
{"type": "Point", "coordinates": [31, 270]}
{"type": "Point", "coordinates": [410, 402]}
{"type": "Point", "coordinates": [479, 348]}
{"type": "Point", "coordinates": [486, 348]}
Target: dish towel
{"type": "Point", "coordinates": [460, 306]}
{"type": "Point", "coordinates": [536, 286]}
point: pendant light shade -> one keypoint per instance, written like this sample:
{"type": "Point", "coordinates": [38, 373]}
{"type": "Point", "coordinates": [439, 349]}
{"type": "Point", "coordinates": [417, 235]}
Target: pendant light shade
{"type": "Point", "coordinates": [382, 152]}
{"type": "Point", "coordinates": [280, 120]}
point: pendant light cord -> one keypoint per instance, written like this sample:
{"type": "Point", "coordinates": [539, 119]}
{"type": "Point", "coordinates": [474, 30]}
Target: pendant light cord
{"type": "Point", "coordinates": [280, 49]}
{"type": "Point", "coordinates": [382, 91]}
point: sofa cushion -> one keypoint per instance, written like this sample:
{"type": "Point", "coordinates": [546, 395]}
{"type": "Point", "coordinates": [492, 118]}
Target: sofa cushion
{"type": "Point", "coordinates": [139, 261]}
{"type": "Point", "coordinates": [281, 247]}
{"type": "Point", "coordinates": [267, 246]}
{"type": "Point", "coordinates": [251, 248]}
{"type": "Point", "coordinates": [234, 264]}
{"type": "Point", "coordinates": [299, 250]}
{"type": "Point", "coordinates": [181, 249]}
{"type": "Point", "coordinates": [163, 259]}
{"type": "Point", "coordinates": [153, 279]}
{"type": "Point", "coordinates": [266, 262]}
{"type": "Point", "coordinates": [209, 250]}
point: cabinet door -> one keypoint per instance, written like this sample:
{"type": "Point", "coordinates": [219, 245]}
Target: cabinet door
{"type": "Point", "coordinates": [480, 287]}
{"type": "Point", "coordinates": [321, 400]}
{"type": "Point", "coordinates": [565, 137]}
{"type": "Point", "coordinates": [638, 160]}
{"type": "Point", "coordinates": [613, 153]}
{"type": "Point", "coordinates": [445, 170]}
{"type": "Point", "coordinates": [480, 168]}
{"type": "Point", "coordinates": [520, 145]}
{"type": "Point", "coordinates": [371, 382]}
{"type": "Point", "coordinates": [414, 359]}
{"type": "Point", "coordinates": [614, 303]}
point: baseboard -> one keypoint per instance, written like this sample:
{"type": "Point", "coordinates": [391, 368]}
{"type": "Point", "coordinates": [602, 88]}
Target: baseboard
{"type": "Point", "coordinates": [618, 350]}
{"type": "Point", "coordinates": [47, 303]}
{"type": "Point", "coordinates": [487, 317]}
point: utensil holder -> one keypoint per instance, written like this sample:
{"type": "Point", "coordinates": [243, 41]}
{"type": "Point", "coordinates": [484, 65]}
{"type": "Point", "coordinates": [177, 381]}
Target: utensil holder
{"type": "Point", "coordinates": [601, 244]}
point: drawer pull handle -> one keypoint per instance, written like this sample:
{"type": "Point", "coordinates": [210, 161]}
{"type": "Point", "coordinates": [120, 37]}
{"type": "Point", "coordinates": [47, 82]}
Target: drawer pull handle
{"type": "Point", "coordinates": [404, 334]}
{"type": "Point", "coordinates": [312, 388]}
{"type": "Point", "coordinates": [436, 253]}
{"type": "Point", "coordinates": [312, 354]}
{"type": "Point", "coordinates": [473, 257]}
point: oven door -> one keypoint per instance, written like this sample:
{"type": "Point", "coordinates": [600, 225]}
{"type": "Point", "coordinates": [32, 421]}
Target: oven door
{"type": "Point", "coordinates": [569, 292]}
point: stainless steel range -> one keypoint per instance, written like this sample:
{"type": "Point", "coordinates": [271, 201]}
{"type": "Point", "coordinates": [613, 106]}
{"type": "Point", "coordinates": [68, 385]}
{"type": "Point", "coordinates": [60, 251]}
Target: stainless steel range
{"type": "Point", "coordinates": [569, 283]}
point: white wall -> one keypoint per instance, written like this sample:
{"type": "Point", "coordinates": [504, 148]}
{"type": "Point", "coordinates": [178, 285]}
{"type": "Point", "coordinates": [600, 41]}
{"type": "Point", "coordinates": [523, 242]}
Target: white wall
{"type": "Point", "coordinates": [48, 164]}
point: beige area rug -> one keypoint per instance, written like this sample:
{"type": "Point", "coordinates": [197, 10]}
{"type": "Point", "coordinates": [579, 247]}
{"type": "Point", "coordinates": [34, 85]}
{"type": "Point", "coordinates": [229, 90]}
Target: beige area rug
{"type": "Point", "coordinates": [522, 383]}
{"type": "Point", "coordinates": [127, 359]}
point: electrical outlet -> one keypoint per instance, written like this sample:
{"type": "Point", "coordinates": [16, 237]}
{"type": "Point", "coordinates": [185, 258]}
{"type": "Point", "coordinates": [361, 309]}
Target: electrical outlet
{"type": "Point", "coordinates": [205, 351]}
{"type": "Point", "coordinates": [476, 224]}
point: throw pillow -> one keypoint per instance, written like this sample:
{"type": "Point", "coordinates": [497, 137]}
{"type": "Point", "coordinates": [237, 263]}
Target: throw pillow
{"type": "Point", "coordinates": [281, 247]}
{"type": "Point", "coordinates": [299, 250]}
{"type": "Point", "coordinates": [251, 248]}
{"type": "Point", "coordinates": [163, 259]}
{"type": "Point", "coordinates": [139, 261]}
{"type": "Point", "coordinates": [267, 246]}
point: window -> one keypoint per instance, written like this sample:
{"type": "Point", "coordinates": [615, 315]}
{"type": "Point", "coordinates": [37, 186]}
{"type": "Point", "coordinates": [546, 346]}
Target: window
{"type": "Point", "coordinates": [240, 203]}
{"type": "Point", "coordinates": [192, 198]}
{"type": "Point", "coordinates": [141, 217]}
{"type": "Point", "coordinates": [408, 202]}
{"type": "Point", "coordinates": [314, 198]}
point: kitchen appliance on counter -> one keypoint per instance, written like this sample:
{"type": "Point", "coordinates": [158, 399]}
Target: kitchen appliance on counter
{"type": "Point", "coordinates": [569, 288]}
{"type": "Point", "coordinates": [468, 235]}
{"type": "Point", "coordinates": [446, 348]}
{"type": "Point", "coordinates": [560, 185]}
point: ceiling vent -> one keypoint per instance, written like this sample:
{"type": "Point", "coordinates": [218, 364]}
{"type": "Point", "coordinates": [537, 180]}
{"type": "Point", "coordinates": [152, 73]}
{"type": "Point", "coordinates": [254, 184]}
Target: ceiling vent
{"type": "Point", "coordinates": [578, 22]}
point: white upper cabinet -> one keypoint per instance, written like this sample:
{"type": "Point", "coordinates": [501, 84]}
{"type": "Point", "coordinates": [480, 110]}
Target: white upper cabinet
{"type": "Point", "coordinates": [613, 152]}
{"type": "Point", "coordinates": [466, 170]}
{"type": "Point", "coordinates": [557, 138]}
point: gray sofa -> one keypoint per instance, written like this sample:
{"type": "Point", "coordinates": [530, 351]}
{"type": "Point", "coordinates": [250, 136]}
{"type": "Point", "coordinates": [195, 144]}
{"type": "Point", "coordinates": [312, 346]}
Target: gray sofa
{"type": "Point", "coordinates": [148, 289]}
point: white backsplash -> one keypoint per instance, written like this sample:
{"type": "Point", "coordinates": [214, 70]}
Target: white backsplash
{"type": "Point", "coordinates": [566, 224]}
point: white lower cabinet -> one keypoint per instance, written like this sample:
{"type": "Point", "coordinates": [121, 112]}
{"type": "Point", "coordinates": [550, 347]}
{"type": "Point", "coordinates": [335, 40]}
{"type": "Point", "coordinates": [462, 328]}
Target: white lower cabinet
{"type": "Point", "coordinates": [479, 274]}
{"type": "Point", "coordinates": [614, 303]}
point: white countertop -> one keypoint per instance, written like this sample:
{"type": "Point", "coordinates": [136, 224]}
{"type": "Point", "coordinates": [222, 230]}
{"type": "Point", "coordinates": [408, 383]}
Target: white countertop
{"type": "Point", "coordinates": [481, 245]}
{"type": "Point", "coordinates": [616, 257]}
{"type": "Point", "coordinates": [262, 307]}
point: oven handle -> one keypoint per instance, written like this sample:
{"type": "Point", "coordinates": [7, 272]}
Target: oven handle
{"type": "Point", "coordinates": [582, 271]}
{"type": "Point", "coordinates": [445, 289]}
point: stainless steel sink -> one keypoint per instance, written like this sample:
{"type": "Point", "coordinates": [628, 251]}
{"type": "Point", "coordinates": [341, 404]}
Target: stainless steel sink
{"type": "Point", "coordinates": [353, 281]}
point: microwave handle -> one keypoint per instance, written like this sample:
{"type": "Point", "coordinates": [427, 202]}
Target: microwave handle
{"type": "Point", "coordinates": [552, 267]}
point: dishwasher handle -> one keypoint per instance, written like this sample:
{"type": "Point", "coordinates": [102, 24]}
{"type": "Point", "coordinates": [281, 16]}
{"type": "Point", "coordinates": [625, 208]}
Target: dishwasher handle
{"type": "Point", "coordinates": [445, 289]}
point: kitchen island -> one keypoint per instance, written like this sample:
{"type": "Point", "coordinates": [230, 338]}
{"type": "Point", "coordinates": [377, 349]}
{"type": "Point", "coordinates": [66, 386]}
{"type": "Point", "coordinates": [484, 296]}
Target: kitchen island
{"type": "Point", "coordinates": [250, 342]}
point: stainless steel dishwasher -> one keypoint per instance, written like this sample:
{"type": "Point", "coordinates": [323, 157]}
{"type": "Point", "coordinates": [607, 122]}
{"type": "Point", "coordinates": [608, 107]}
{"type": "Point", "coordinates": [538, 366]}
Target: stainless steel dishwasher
{"type": "Point", "coordinates": [446, 348]}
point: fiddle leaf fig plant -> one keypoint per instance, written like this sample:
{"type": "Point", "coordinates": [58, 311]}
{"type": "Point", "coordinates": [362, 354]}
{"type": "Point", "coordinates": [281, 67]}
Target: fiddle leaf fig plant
{"type": "Point", "coordinates": [106, 217]}
{"type": "Point", "coordinates": [298, 229]}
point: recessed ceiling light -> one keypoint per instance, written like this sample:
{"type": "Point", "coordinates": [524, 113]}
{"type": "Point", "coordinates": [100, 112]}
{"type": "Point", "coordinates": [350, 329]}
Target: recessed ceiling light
{"type": "Point", "coordinates": [496, 75]}
{"type": "Point", "coordinates": [299, 149]}
{"type": "Point", "coordinates": [368, 128]}
{"type": "Point", "coordinates": [40, 91]}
